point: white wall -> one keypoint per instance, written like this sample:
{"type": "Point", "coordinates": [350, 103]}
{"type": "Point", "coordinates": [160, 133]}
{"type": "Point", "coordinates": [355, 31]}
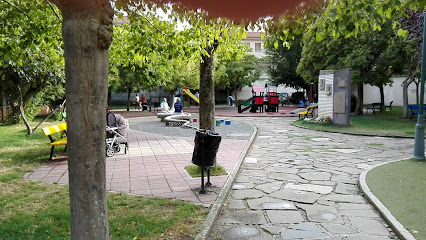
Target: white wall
{"type": "Point", "coordinates": [392, 93]}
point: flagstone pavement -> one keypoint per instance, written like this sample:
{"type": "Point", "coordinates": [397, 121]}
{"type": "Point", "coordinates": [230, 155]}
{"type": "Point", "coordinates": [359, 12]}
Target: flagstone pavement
{"type": "Point", "coordinates": [293, 183]}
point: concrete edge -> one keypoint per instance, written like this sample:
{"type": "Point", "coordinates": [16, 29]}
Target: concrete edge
{"type": "Point", "coordinates": [354, 134]}
{"type": "Point", "coordinates": [399, 229]}
{"type": "Point", "coordinates": [218, 204]}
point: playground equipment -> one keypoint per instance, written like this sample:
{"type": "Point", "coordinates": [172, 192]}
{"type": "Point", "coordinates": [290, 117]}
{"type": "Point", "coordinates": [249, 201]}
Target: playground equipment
{"type": "Point", "coordinates": [187, 92]}
{"type": "Point", "coordinates": [254, 103]}
{"type": "Point", "coordinates": [272, 102]}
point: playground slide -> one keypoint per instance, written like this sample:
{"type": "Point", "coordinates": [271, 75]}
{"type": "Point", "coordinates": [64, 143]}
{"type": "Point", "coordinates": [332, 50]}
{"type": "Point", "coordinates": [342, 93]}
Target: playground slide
{"type": "Point", "coordinates": [191, 95]}
{"type": "Point", "coordinates": [245, 105]}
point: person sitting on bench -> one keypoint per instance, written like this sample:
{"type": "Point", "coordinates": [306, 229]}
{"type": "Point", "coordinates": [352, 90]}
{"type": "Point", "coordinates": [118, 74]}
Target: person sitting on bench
{"type": "Point", "coordinates": [178, 106]}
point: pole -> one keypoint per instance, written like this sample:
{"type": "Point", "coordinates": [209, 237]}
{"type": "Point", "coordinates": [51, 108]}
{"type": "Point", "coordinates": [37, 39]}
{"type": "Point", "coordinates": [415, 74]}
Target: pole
{"type": "Point", "coordinates": [419, 141]}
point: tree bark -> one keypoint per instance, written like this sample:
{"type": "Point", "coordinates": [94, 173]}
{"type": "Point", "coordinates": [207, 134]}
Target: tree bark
{"type": "Point", "coordinates": [382, 98]}
{"type": "Point", "coordinates": [236, 97]}
{"type": "Point", "coordinates": [129, 91]}
{"type": "Point", "coordinates": [87, 34]}
{"type": "Point", "coordinates": [360, 102]}
{"type": "Point", "coordinates": [207, 100]}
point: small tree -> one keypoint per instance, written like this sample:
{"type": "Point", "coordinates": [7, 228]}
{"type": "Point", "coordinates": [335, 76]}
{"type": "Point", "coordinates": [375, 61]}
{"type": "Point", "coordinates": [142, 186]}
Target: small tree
{"type": "Point", "coordinates": [240, 73]}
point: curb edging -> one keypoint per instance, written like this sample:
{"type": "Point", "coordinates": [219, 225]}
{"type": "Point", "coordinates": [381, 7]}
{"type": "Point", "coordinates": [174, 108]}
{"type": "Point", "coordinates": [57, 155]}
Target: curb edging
{"type": "Point", "coordinates": [218, 204]}
{"type": "Point", "coordinates": [399, 229]}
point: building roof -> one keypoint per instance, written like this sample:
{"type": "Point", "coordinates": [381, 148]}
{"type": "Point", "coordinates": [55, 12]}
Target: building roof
{"type": "Point", "coordinates": [258, 89]}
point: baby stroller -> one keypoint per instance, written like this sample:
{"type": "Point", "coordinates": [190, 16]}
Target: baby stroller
{"type": "Point", "coordinates": [115, 132]}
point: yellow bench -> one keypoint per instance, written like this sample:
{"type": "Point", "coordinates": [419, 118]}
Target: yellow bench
{"type": "Point", "coordinates": [309, 111]}
{"type": "Point", "coordinates": [48, 131]}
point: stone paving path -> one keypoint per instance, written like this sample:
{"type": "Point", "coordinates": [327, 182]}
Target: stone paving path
{"type": "Point", "coordinates": [302, 184]}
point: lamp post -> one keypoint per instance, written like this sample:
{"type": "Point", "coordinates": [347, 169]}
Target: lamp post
{"type": "Point", "coordinates": [419, 141]}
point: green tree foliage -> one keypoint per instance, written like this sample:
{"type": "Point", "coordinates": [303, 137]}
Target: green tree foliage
{"type": "Point", "coordinates": [373, 56]}
{"type": "Point", "coordinates": [283, 62]}
{"type": "Point", "coordinates": [31, 55]}
{"type": "Point", "coordinates": [240, 72]}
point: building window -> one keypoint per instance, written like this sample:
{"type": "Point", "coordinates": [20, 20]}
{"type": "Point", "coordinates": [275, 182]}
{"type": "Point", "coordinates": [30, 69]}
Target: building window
{"type": "Point", "coordinates": [258, 47]}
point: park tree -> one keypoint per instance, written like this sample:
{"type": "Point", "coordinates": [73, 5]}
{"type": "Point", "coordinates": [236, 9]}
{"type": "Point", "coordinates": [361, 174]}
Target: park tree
{"type": "Point", "coordinates": [412, 22]}
{"type": "Point", "coordinates": [208, 36]}
{"type": "Point", "coordinates": [30, 57]}
{"type": "Point", "coordinates": [242, 71]}
{"type": "Point", "coordinates": [87, 34]}
{"type": "Point", "coordinates": [372, 56]}
{"type": "Point", "coordinates": [137, 62]}
{"type": "Point", "coordinates": [283, 62]}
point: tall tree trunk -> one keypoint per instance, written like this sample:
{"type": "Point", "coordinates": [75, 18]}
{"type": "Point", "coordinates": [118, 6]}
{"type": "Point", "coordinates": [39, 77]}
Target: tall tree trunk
{"type": "Point", "coordinates": [236, 97]}
{"type": "Point", "coordinates": [207, 100]}
{"type": "Point", "coordinates": [109, 97]}
{"type": "Point", "coordinates": [382, 98]}
{"type": "Point", "coordinates": [404, 85]}
{"type": "Point", "coordinates": [87, 34]}
{"type": "Point", "coordinates": [360, 102]}
{"type": "Point", "coordinates": [417, 92]}
{"type": "Point", "coordinates": [129, 91]}
{"type": "Point", "coordinates": [21, 109]}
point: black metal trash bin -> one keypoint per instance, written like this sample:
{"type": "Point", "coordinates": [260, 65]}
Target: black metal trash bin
{"type": "Point", "coordinates": [206, 146]}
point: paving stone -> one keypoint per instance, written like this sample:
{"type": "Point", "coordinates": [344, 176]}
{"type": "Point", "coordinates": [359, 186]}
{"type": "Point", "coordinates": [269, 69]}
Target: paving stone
{"type": "Point", "coordinates": [287, 177]}
{"type": "Point", "coordinates": [303, 231]}
{"type": "Point", "coordinates": [310, 188]}
{"type": "Point", "coordinates": [344, 179]}
{"type": "Point", "coordinates": [320, 213]}
{"type": "Point", "coordinates": [360, 213]}
{"type": "Point", "coordinates": [369, 226]}
{"type": "Point", "coordinates": [247, 194]}
{"type": "Point", "coordinates": [284, 216]}
{"type": "Point", "coordinates": [366, 237]}
{"type": "Point", "coordinates": [345, 188]}
{"type": "Point", "coordinates": [269, 187]}
{"type": "Point", "coordinates": [246, 233]}
{"type": "Point", "coordinates": [236, 205]}
{"type": "Point", "coordinates": [344, 150]}
{"type": "Point", "coordinates": [324, 183]}
{"type": "Point", "coordinates": [270, 203]}
{"type": "Point", "coordinates": [250, 160]}
{"type": "Point", "coordinates": [339, 198]}
{"type": "Point", "coordinates": [338, 228]}
{"type": "Point", "coordinates": [240, 186]}
{"type": "Point", "coordinates": [315, 175]}
{"type": "Point", "coordinates": [352, 206]}
{"type": "Point", "coordinates": [296, 196]}
{"type": "Point", "coordinates": [350, 170]}
{"type": "Point", "coordinates": [243, 217]}
{"type": "Point", "coordinates": [275, 229]}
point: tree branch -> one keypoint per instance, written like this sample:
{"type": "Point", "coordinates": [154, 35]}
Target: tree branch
{"type": "Point", "coordinates": [18, 9]}
{"type": "Point", "coordinates": [159, 30]}
{"type": "Point", "coordinates": [53, 10]}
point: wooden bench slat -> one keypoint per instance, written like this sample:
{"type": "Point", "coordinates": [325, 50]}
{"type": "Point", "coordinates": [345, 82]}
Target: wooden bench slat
{"type": "Point", "coordinates": [48, 131]}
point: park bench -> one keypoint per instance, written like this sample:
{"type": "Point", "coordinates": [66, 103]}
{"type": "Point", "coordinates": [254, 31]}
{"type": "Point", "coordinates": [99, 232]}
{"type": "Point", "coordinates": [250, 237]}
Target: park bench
{"type": "Point", "coordinates": [57, 130]}
{"type": "Point", "coordinates": [415, 109]}
{"type": "Point", "coordinates": [374, 107]}
{"type": "Point", "coordinates": [309, 111]}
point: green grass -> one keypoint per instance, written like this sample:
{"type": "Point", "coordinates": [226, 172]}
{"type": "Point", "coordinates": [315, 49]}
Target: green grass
{"type": "Point", "coordinates": [37, 210]}
{"type": "Point", "coordinates": [401, 187]}
{"type": "Point", "coordinates": [195, 171]}
{"type": "Point", "coordinates": [388, 123]}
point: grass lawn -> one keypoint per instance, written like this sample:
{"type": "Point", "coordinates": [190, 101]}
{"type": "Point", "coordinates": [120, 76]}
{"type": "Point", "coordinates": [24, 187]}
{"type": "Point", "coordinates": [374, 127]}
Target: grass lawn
{"type": "Point", "coordinates": [401, 187]}
{"type": "Point", "coordinates": [37, 210]}
{"type": "Point", "coordinates": [388, 123]}
{"type": "Point", "coordinates": [195, 171]}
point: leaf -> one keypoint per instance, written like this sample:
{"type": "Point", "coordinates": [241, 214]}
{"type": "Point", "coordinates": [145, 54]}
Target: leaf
{"type": "Point", "coordinates": [402, 32]}
{"type": "Point", "coordinates": [276, 45]}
